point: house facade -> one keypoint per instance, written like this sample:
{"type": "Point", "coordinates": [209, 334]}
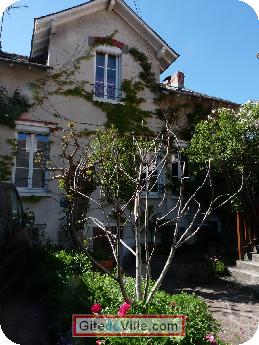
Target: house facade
{"type": "Point", "coordinates": [79, 62]}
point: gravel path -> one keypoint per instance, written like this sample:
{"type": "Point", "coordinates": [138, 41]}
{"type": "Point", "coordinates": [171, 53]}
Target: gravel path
{"type": "Point", "coordinates": [236, 308]}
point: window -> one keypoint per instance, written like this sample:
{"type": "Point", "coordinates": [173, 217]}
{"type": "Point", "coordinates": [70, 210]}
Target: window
{"type": "Point", "coordinates": [16, 209]}
{"type": "Point", "coordinates": [151, 183]}
{"type": "Point", "coordinates": [107, 76]}
{"type": "Point", "coordinates": [180, 170]}
{"type": "Point", "coordinates": [155, 184]}
{"type": "Point", "coordinates": [101, 246]}
{"type": "Point", "coordinates": [100, 239]}
{"type": "Point", "coordinates": [32, 153]}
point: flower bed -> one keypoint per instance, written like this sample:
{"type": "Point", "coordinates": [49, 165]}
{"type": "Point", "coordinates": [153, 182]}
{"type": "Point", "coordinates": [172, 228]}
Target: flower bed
{"type": "Point", "coordinates": [69, 286]}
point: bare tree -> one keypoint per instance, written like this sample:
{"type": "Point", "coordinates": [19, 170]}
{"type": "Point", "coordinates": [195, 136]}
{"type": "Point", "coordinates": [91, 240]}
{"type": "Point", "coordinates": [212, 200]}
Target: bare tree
{"type": "Point", "coordinates": [127, 171]}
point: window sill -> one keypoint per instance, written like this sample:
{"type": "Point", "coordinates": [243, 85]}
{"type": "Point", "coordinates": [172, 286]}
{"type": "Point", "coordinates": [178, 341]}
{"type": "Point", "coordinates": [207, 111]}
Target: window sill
{"type": "Point", "coordinates": [151, 195]}
{"type": "Point", "coordinates": [30, 192]}
{"type": "Point", "coordinates": [106, 100]}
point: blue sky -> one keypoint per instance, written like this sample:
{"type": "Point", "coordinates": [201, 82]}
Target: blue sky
{"type": "Point", "coordinates": [217, 40]}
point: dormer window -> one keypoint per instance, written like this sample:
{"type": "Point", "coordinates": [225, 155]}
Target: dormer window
{"type": "Point", "coordinates": [107, 76]}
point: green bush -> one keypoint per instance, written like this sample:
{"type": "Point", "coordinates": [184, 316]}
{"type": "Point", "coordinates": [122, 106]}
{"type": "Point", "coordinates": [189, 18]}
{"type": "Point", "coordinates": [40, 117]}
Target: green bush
{"type": "Point", "coordinates": [217, 267]}
{"type": "Point", "coordinates": [199, 323]}
{"type": "Point", "coordinates": [67, 285]}
{"type": "Point", "coordinates": [55, 278]}
{"type": "Point", "coordinates": [104, 290]}
{"type": "Point", "coordinates": [74, 263]}
{"type": "Point", "coordinates": [42, 271]}
{"type": "Point", "coordinates": [50, 267]}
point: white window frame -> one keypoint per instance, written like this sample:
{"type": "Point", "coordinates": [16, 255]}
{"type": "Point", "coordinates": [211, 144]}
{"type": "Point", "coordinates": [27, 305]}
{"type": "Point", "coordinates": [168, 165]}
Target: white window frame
{"type": "Point", "coordinates": [177, 159]}
{"type": "Point", "coordinates": [160, 176]}
{"type": "Point", "coordinates": [32, 131]}
{"type": "Point", "coordinates": [117, 52]}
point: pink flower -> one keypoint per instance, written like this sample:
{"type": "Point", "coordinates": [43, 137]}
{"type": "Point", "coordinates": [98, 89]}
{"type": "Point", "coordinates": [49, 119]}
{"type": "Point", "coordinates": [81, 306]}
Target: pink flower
{"type": "Point", "coordinates": [100, 342]}
{"type": "Point", "coordinates": [96, 308]}
{"type": "Point", "coordinates": [124, 308]}
{"type": "Point", "coordinates": [211, 339]}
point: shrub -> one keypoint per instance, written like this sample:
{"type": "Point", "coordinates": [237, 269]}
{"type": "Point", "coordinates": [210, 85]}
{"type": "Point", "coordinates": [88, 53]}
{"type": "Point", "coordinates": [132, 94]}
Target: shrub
{"type": "Point", "coordinates": [104, 290]}
{"type": "Point", "coordinates": [217, 267]}
{"type": "Point", "coordinates": [69, 286]}
{"type": "Point", "coordinates": [50, 268]}
{"type": "Point", "coordinates": [42, 270]}
{"type": "Point", "coordinates": [199, 323]}
{"type": "Point", "coordinates": [73, 262]}
{"type": "Point", "coordinates": [55, 278]}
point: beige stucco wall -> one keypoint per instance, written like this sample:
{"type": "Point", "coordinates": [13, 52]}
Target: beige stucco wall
{"type": "Point", "coordinates": [71, 39]}
{"type": "Point", "coordinates": [14, 75]}
{"type": "Point", "coordinates": [21, 76]}
{"type": "Point", "coordinates": [69, 42]}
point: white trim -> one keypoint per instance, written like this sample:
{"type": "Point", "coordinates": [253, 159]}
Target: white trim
{"type": "Point", "coordinates": [32, 131]}
{"type": "Point", "coordinates": [28, 128]}
{"type": "Point", "coordinates": [33, 192]}
{"type": "Point", "coordinates": [160, 177]}
{"type": "Point", "coordinates": [147, 34]}
{"type": "Point", "coordinates": [43, 25]}
{"type": "Point", "coordinates": [107, 50]}
{"type": "Point", "coordinates": [161, 53]}
{"type": "Point", "coordinates": [176, 159]}
{"type": "Point", "coordinates": [107, 100]}
{"type": "Point", "coordinates": [111, 5]}
{"type": "Point", "coordinates": [36, 124]}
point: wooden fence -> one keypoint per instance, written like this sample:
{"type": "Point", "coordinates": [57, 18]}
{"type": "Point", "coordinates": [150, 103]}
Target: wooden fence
{"type": "Point", "coordinates": [247, 231]}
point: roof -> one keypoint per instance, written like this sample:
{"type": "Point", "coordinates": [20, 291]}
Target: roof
{"type": "Point", "coordinates": [21, 59]}
{"type": "Point", "coordinates": [43, 26]}
{"type": "Point", "coordinates": [187, 92]}
{"type": "Point", "coordinates": [15, 57]}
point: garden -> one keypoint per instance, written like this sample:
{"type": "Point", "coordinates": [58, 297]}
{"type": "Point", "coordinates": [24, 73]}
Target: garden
{"type": "Point", "coordinates": [74, 282]}
{"type": "Point", "coordinates": [66, 283]}
{"type": "Point", "coordinates": [119, 171]}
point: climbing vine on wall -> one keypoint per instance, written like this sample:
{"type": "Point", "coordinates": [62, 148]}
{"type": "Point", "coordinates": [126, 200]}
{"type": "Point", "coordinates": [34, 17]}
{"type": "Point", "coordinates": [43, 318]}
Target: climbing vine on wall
{"type": "Point", "coordinates": [123, 117]}
{"type": "Point", "coordinates": [192, 116]}
{"type": "Point", "coordinates": [11, 107]}
{"type": "Point", "coordinates": [199, 113]}
{"type": "Point", "coordinates": [6, 161]}
{"type": "Point", "coordinates": [147, 76]}
{"type": "Point", "coordinates": [126, 115]}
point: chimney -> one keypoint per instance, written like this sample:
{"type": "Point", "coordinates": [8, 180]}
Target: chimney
{"type": "Point", "coordinates": [176, 80]}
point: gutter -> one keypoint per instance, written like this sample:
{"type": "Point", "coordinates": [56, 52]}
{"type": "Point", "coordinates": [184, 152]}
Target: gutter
{"type": "Point", "coordinates": [29, 64]}
{"type": "Point", "coordinates": [190, 93]}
